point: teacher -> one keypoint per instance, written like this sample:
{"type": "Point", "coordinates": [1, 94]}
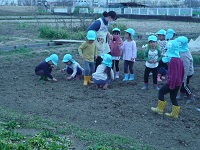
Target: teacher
{"type": "Point", "coordinates": [101, 27]}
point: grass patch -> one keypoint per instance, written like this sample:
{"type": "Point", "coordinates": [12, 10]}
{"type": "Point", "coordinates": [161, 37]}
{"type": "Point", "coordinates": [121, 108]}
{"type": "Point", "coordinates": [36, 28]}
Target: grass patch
{"type": "Point", "coordinates": [50, 137]}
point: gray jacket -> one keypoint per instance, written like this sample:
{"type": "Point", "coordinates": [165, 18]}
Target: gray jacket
{"type": "Point", "coordinates": [188, 64]}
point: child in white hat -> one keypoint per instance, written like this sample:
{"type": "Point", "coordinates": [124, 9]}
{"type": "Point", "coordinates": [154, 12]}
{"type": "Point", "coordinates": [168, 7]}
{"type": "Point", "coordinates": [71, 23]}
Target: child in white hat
{"type": "Point", "coordinates": [129, 51]}
{"type": "Point", "coordinates": [44, 69]}
{"type": "Point", "coordinates": [72, 67]}
{"type": "Point", "coordinates": [104, 73]}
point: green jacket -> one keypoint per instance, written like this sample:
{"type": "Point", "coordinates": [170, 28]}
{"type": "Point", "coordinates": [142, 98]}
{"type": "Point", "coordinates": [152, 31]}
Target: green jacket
{"type": "Point", "coordinates": [146, 58]}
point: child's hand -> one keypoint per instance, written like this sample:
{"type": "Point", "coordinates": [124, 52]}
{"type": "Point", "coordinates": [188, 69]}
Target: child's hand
{"type": "Point", "coordinates": [155, 61]}
{"type": "Point", "coordinates": [120, 44]}
{"type": "Point", "coordinates": [132, 59]}
{"type": "Point", "coordinates": [151, 61]}
{"type": "Point", "coordinates": [69, 78]}
{"type": "Point", "coordinates": [54, 79]}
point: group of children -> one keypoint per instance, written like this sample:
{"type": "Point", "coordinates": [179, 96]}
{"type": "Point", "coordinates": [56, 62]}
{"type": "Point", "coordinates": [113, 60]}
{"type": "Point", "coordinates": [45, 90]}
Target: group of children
{"type": "Point", "coordinates": [164, 56]}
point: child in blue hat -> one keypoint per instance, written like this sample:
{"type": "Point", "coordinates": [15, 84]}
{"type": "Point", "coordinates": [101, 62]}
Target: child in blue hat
{"type": "Point", "coordinates": [186, 56]}
{"type": "Point", "coordinates": [44, 69]}
{"type": "Point", "coordinates": [72, 67]}
{"type": "Point", "coordinates": [115, 51]}
{"type": "Point", "coordinates": [162, 67]}
{"type": "Point", "coordinates": [174, 81]}
{"type": "Point", "coordinates": [104, 73]}
{"type": "Point", "coordinates": [129, 51]}
{"type": "Point", "coordinates": [152, 55]}
{"type": "Point", "coordinates": [88, 52]}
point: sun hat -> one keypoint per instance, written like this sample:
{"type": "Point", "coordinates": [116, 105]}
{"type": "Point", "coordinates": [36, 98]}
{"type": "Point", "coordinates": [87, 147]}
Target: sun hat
{"type": "Point", "coordinates": [183, 43]}
{"type": "Point", "coordinates": [170, 33]}
{"type": "Point", "coordinates": [152, 38]}
{"type": "Point", "coordinates": [116, 29]}
{"type": "Point", "coordinates": [53, 58]}
{"type": "Point", "coordinates": [131, 31]}
{"type": "Point", "coordinates": [172, 51]}
{"type": "Point", "coordinates": [68, 58]}
{"type": "Point", "coordinates": [161, 32]}
{"type": "Point", "coordinates": [107, 60]}
{"type": "Point", "coordinates": [91, 35]}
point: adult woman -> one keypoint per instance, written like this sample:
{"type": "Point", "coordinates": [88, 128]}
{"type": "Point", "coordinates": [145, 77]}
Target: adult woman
{"type": "Point", "coordinates": [101, 28]}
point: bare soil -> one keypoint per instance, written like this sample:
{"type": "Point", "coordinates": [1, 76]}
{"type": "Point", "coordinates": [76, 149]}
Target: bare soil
{"type": "Point", "coordinates": [122, 109]}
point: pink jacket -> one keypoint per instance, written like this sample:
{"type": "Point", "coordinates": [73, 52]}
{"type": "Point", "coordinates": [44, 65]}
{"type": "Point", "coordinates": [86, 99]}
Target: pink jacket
{"type": "Point", "coordinates": [175, 73]}
{"type": "Point", "coordinates": [114, 46]}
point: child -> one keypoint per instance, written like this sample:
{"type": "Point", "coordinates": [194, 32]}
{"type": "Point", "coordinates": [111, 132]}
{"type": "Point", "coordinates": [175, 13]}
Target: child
{"type": "Point", "coordinates": [88, 51]}
{"type": "Point", "coordinates": [189, 69]}
{"type": "Point", "coordinates": [104, 73]}
{"type": "Point", "coordinates": [174, 81]}
{"type": "Point", "coordinates": [73, 68]}
{"type": "Point", "coordinates": [115, 51]}
{"type": "Point", "coordinates": [152, 56]}
{"type": "Point", "coordinates": [129, 50]}
{"type": "Point", "coordinates": [44, 69]}
{"type": "Point", "coordinates": [162, 67]}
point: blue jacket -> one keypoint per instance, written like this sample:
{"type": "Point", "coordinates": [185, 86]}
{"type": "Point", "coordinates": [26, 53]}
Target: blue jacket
{"type": "Point", "coordinates": [46, 67]}
{"type": "Point", "coordinates": [96, 25]}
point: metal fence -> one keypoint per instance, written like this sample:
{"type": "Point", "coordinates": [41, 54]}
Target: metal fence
{"type": "Point", "coordinates": [137, 11]}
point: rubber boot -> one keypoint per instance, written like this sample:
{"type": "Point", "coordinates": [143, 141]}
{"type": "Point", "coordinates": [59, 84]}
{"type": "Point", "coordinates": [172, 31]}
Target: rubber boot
{"type": "Point", "coordinates": [89, 79]}
{"type": "Point", "coordinates": [117, 75]}
{"type": "Point", "coordinates": [145, 87]}
{"type": "Point", "coordinates": [155, 86]}
{"type": "Point", "coordinates": [86, 80]}
{"type": "Point", "coordinates": [181, 96]}
{"type": "Point", "coordinates": [160, 108]}
{"type": "Point", "coordinates": [190, 99]}
{"type": "Point", "coordinates": [175, 112]}
{"type": "Point", "coordinates": [159, 78]}
{"type": "Point", "coordinates": [131, 77]}
{"type": "Point", "coordinates": [125, 77]}
{"type": "Point", "coordinates": [46, 78]}
{"type": "Point", "coordinates": [198, 109]}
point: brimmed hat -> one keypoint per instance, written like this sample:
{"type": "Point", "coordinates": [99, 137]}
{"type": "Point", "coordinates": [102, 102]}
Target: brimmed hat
{"type": "Point", "coordinates": [131, 31]}
{"type": "Point", "coordinates": [161, 32]}
{"type": "Point", "coordinates": [183, 43]}
{"type": "Point", "coordinates": [170, 33]}
{"type": "Point", "coordinates": [68, 58]}
{"type": "Point", "coordinates": [107, 60]}
{"type": "Point", "coordinates": [91, 35]}
{"type": "Point", "coordinates": [152, 38]}
{"type": "Point", "coordinates": [116, 29]}
{"type": "Point", "coordinates": [53, 58]}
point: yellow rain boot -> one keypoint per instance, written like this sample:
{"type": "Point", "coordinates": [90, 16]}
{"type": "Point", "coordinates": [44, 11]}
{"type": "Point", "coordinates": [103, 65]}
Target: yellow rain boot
{"type": "Point", "coordinates": [86, 80]}
{"type": "Point", "coordinates": [89, 79]}
{"type": "Point", "coordinates": [160, 108]}
{"type": "Point", "coordinates": [175, 112]}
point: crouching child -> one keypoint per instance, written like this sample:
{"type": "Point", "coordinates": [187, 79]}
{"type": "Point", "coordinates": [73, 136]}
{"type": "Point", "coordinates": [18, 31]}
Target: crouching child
{"type": "Point", "coordinates": [104, 73]}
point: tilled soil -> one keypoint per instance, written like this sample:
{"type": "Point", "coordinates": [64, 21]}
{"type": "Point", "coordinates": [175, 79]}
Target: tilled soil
{"type": "Point", "coordinates": [123, 109]}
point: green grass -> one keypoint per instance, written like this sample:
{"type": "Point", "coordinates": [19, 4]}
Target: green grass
{"type": "Point", "coordinates": [51, 135]}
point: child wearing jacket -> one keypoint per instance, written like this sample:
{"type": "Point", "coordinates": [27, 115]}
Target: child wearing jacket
{"type": "Point", "coordinates": [115, 51]}
{"type": "Point", "coordinates": [152, 56]}
{"type": "Point", "coordinates": [186, 56]}
{"type": "Point", "coordinates": [129, 51]}
{"type": "Point", "coordinates": [72, 67]}
{"type": "Point", "coordinates": [174, 81]}
{"type": "Point", "coordinates": [88, 52]}
{"type": "Point", "coordinates": [104, 73]}
{"type": "Point", "coordinates": [44, 69]}
{"type": "Point", "coordinates": [162, 67]}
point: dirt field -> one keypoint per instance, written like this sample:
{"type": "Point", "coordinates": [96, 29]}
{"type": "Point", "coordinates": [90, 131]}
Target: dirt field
{"type": "Point", "coordinates": [122, 109]}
